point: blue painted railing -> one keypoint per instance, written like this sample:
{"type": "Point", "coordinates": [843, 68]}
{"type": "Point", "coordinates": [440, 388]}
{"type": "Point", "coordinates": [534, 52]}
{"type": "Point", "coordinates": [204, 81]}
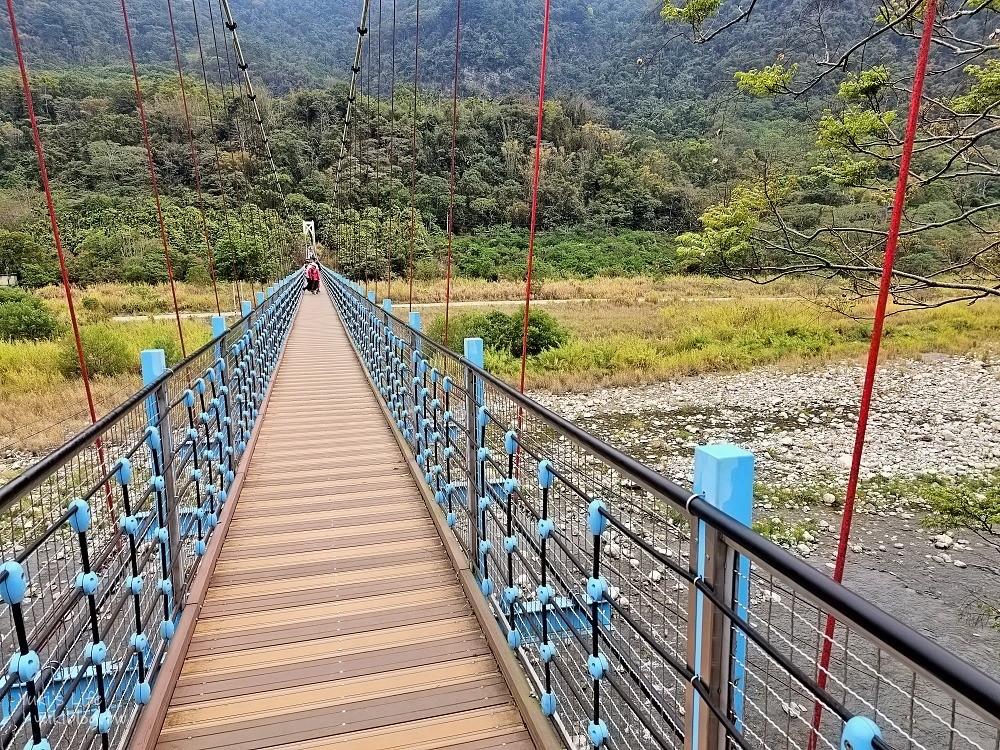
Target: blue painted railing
{"type": "Point", "coordinates": [100, 540]}
{"type": "Point", "coordinates": [667, 621]}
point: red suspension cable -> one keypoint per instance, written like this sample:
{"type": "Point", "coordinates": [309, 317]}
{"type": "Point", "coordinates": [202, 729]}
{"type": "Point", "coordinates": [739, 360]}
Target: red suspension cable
{"type": "Point", "coordinates": [152, 175]}
{"type": "Point", "coordinates": [53, 221]}
{"type": "Point", "coordinates": [451, 179]}
{"type": "Point", "coordinates": [57, 239]}
{"type": "Point", "coordinates": [876, 340]}
{"type": "Point", "coordinates": [413, 166]}
{"type": "Point", "coordinates": [534, 191]}
{"type": "Point", "coordinates": [390, 245]}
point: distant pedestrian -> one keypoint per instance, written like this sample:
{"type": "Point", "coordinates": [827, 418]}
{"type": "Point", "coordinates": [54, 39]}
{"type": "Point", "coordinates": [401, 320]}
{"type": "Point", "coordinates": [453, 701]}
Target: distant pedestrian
{"type": "Point", "coordinates": [312, 275]}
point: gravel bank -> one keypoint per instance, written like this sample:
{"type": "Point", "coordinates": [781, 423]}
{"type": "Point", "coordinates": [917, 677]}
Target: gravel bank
{"type": "Point", "coordinates": [937, 415]}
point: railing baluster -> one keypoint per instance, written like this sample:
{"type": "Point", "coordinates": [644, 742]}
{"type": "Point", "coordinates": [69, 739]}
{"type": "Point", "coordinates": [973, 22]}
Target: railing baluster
{"type": "Point", "coordinates": [545, 593]}
{"type": "Point", "coordinates": [96, 652]}
{"type": "Point", "coordinates": [25, 664]}
{"type": "Point", "coordinates": [597, 590]}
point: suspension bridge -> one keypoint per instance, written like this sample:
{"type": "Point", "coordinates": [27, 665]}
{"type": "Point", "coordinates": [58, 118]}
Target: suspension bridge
{"type": "Point", "coordinates": [324, 529]}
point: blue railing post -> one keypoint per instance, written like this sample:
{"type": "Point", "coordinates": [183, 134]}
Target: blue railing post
{"type": "Point", "coordinates": [473, 401]}
{"type": "Point", "coordinates": [723, 476]}
{"type": "Point", "coordinates": [260, 298]}
{"type": "Point", "coordinates": [417, 325]}
{"type": "Point", "coordinates": [153, 362]}
{"type": "Point", "coordinates": [245, 308]}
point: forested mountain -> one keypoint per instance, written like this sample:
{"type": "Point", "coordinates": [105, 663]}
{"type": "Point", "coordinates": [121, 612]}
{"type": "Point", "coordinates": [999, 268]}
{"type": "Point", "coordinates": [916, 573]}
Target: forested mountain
{"type": "Point", "coordinates": [595, 46]}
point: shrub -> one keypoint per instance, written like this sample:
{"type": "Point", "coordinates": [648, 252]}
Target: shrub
{"type": "Point", "coordinates": [502, 332]}
{"type": "Point", "coordinates": [23, 317]}
{"type": "Point", "coordinates": [106, 350]}
{"type": "Point", "coordinates": [169, 344]}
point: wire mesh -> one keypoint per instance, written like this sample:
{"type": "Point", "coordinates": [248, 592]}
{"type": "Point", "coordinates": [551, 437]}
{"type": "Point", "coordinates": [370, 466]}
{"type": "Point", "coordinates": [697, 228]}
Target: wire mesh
{"type": "Point", "coordinates": [132, 500]}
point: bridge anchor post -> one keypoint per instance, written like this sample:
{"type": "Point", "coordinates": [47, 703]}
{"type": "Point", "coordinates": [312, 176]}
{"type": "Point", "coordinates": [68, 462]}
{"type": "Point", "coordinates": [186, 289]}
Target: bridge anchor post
{"type": "Point", "coordinates": [723, 476]}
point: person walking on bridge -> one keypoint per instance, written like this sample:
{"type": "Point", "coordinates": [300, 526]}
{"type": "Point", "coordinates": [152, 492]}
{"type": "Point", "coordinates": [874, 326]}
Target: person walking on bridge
{"type": "Point", "coordinates": [312, 276]}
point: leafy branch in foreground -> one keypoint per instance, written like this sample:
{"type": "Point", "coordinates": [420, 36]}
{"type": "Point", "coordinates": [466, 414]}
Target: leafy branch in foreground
{"type": "Point", "coordinates": [826, 212]}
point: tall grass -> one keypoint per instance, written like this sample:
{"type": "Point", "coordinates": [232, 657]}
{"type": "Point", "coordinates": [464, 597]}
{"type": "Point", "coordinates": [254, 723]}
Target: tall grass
{"type": "Point", "coordinates": [616, 289]}
{"type": "Point", "coordinates": [102, 301]}
{"type": "Point", "coordinates": [40, 406]}
{"type": "Point", "coordinates": [629, 344]}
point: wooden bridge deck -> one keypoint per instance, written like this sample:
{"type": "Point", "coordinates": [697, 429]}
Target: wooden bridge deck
{"type": "Point", "coordinates": [334, 617]}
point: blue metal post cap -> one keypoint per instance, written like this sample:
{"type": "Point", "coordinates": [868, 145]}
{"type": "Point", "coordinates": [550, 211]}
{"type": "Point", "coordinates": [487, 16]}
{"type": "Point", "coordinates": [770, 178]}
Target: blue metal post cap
{"type": "Point", "coordinates": [486, 586]}
{"type": "Point", "coordinates": [598, 733]}
{"type": "Point", "coordinates": [88, 583]}
{"type": "Point", "coordinates": [451, 519]}
{"type": "Point", "coordinates": [545, 527]}
{"type": "Point", "coordinates": [597, 588]}
{"type": "Point", "coordinates": [548, 701]}
{"type": "Point", "coordinates": [24, 666]}
{"type": "Point", "coordinates": [514, 638]}
{"type": "Point", "coordinates": [545, 474]}
{"type": "Point", "coordinates": [14, 584]}
{"type": "Point", "coordinates": [509, 544]}
{"type": "Point", "coordinates": [510, 442]}
{"type": "Point", "coordinates": [123, 472]}
{"type": "Point", "coordinates": [42, 744]}
{"type": "Point", "coordinates": [597, 666]}
{"type": "Point", "coordinates": [139, 641]}
{"type": "Point", "coordinates": [545, 594]}
{"type": "Point", "coordinates": [595, 518]}
{"type": "Point", "coordinates": [547, 652]}
{"type": "Point", "coordinates": [859, 733]}
{"type": "Point", "coordinates": [101, 721]}
{"type": "Point", "coordinates": [188, 398]}
{"type": "Point", "coordinates": [79, 518]}
{"type": "Point", "coordinates": [511, 594]}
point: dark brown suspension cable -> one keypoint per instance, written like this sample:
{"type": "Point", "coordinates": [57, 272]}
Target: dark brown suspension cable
{"type": "Point", "coordinates": [242, 206]}
{"type": "Point", "coordinates": [413, 164]}
{"type": "Point", "coordinates": [534, 192]}
{"type": "Point", "coordinates": [391, 244]}
{"type": "Point", "coordinates": [152, 174]}
{"type": "Point", "coordinates": [451, 177]}
{"type": "Point", "coordinates": [254, 135]}
{"type": "Point", "coordinates": [194, 153]}
{"type": "Point", "coordinates": [211, 120]}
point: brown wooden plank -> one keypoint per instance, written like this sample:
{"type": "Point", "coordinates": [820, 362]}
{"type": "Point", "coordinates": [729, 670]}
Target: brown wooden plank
{"type": "Point", "coordinates": [472, 730]}
{"type": "Point", "coordinates": [334, 616]}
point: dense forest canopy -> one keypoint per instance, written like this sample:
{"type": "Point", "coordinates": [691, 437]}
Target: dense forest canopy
{"type": "Point", "coordinates": [775, 135]}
